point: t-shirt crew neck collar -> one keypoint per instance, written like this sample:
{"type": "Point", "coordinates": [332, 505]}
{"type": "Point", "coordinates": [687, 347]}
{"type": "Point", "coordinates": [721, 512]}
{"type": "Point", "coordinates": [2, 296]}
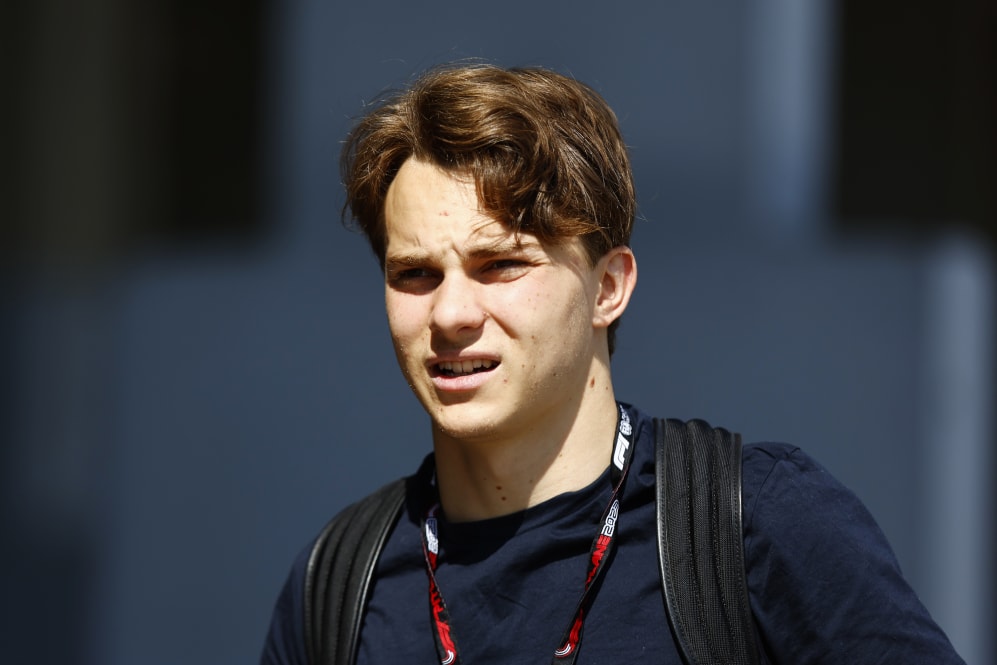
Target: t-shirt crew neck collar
{"type": "Point", "coordinates": [466, 542]}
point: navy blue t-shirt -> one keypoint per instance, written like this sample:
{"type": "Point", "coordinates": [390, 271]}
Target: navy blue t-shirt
{"type": "Point", "coordinates": [823, 582]}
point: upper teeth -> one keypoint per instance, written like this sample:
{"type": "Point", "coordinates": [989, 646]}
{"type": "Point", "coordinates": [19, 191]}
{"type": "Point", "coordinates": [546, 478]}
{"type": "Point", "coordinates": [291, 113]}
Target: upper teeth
{"type": "Point", "coordinates": [465, 366]}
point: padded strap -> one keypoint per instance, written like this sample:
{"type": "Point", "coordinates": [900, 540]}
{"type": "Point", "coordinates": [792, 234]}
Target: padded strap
{"type": "Point", "coordinates": [701, 542]}
{"type": "Point", "coordinates": [339, 572]}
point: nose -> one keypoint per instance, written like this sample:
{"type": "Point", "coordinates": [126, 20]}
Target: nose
{"type": "Point", "coordinates": [456, 306]}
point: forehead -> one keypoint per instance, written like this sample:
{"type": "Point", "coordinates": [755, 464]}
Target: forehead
{"type": "Point", "coordinates": [425, 204]}
{"type": "Point", "coordinates": [429, 212]}
{"type": "Point", "coordinates": [421, 186]}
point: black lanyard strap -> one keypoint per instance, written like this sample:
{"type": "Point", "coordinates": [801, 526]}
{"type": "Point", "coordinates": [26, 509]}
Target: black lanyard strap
{"type": "Point", "coordinates": [599, 555]}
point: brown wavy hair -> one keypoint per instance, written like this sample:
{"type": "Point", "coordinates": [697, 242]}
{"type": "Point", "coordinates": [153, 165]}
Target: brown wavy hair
{"type": "Point", "coordinates": [544, 150]}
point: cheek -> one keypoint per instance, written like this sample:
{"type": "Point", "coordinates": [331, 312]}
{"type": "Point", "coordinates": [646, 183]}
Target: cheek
{"type": "Point", "coordinates": [548, 312]}
{"type": "Point", "coordinates": [564, 303]}
{"type": "Point", "coordinates": [404, 343]}
{"type": "Point", "coordinates": [405, 328]}
{"type": "Point", "coordinates": [403, 317]}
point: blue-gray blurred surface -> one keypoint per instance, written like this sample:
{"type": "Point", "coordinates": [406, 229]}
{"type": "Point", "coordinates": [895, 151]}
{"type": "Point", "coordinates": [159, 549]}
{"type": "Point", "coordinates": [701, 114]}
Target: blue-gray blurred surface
{"type": "Point", "coordinates": [185, 419]}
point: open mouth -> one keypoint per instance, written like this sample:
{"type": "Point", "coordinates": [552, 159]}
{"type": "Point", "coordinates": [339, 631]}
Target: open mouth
{"type": "Point", "coordinates": [464, 367]}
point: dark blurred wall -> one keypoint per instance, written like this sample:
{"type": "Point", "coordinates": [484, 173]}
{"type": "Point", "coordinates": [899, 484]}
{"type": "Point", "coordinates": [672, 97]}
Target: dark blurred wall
{"type": "Point", "coordinates": [127, 128]}
{"type": "Point", "coordinates": [197, 368]}
{"type": "Point", "coordinates": [917, 143]}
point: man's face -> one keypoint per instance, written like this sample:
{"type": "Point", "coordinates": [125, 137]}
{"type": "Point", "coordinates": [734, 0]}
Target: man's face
{"type": "Point", "coordinates": [493, 332]}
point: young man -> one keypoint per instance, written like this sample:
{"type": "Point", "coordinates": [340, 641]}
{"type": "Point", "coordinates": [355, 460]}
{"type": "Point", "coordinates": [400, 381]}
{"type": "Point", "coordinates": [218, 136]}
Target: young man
{"type": "Point", "coordinates": [500, 205]}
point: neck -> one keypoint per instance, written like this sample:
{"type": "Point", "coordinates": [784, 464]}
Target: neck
{"type": "Point", "coordinates": [489, 478]}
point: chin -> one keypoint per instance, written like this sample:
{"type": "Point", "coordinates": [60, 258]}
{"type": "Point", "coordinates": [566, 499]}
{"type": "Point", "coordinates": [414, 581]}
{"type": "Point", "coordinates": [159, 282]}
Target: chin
{"type": "Point", "coordinates": [467, 422]}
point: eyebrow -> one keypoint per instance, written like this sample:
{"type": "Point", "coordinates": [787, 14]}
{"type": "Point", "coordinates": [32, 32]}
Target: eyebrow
{"type": "Point", "coordinates": [484, 250]}
{"type": "Point", "coordinates": [501, 246]}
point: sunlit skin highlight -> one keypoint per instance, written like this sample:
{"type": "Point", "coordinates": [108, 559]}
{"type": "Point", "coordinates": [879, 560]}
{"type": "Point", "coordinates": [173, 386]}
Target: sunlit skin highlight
{"type": "Point", "coordinates": [503, 340]}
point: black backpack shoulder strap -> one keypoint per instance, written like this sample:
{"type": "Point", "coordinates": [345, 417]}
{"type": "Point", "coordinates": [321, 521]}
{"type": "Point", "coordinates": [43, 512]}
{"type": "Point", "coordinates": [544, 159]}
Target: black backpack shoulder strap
{"type": "Point", "coordinates": [339, 572]}
{"type": "Point", "coordinates": [701, 543]}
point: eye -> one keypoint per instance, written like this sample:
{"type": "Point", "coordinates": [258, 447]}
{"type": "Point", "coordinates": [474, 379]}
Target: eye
{"type": "Point", "coordinates": [411, 273]}
{"type": "Point", "coordinates": [412, 279]}
{"type": "Point", "coordinates": [506, 264]}
{"type": "Point", "coordinates": [505, 269]}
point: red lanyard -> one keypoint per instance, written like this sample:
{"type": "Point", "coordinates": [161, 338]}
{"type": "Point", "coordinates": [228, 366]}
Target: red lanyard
{"type": "Point", "coordinates": [602, 546]}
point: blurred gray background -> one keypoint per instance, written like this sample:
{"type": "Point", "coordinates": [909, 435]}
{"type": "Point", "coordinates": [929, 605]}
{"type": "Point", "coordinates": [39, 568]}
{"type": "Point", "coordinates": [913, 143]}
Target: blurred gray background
{"type": "Point", "coordinates": [196, 368]}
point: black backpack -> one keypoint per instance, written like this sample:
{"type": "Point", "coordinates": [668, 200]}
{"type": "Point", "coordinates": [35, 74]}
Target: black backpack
{"type": "Point", "coordinates": [700, 550]}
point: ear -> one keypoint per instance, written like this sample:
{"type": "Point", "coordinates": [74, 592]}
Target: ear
{"type": "Point", "coordinates": [617, 275]}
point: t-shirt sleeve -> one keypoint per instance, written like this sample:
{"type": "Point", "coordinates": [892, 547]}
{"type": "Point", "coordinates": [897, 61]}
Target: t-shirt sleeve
{"type": "Point", "coordinates": [285, 642]}
{"type": "Point", "coordinates": [824, 583]}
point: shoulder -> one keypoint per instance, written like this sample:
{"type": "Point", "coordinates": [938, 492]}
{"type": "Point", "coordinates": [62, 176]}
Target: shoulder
{"type": "Point", "coordinates": [285, 641]}
{"type": "Point", "coordinates": [791, 501]}
{"type": "Point", "coordinates": [824, 583]}
{"type": "Point", "coordinates": [352, 537]}
{"type": "Point", "coordinates": [779, 477]}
